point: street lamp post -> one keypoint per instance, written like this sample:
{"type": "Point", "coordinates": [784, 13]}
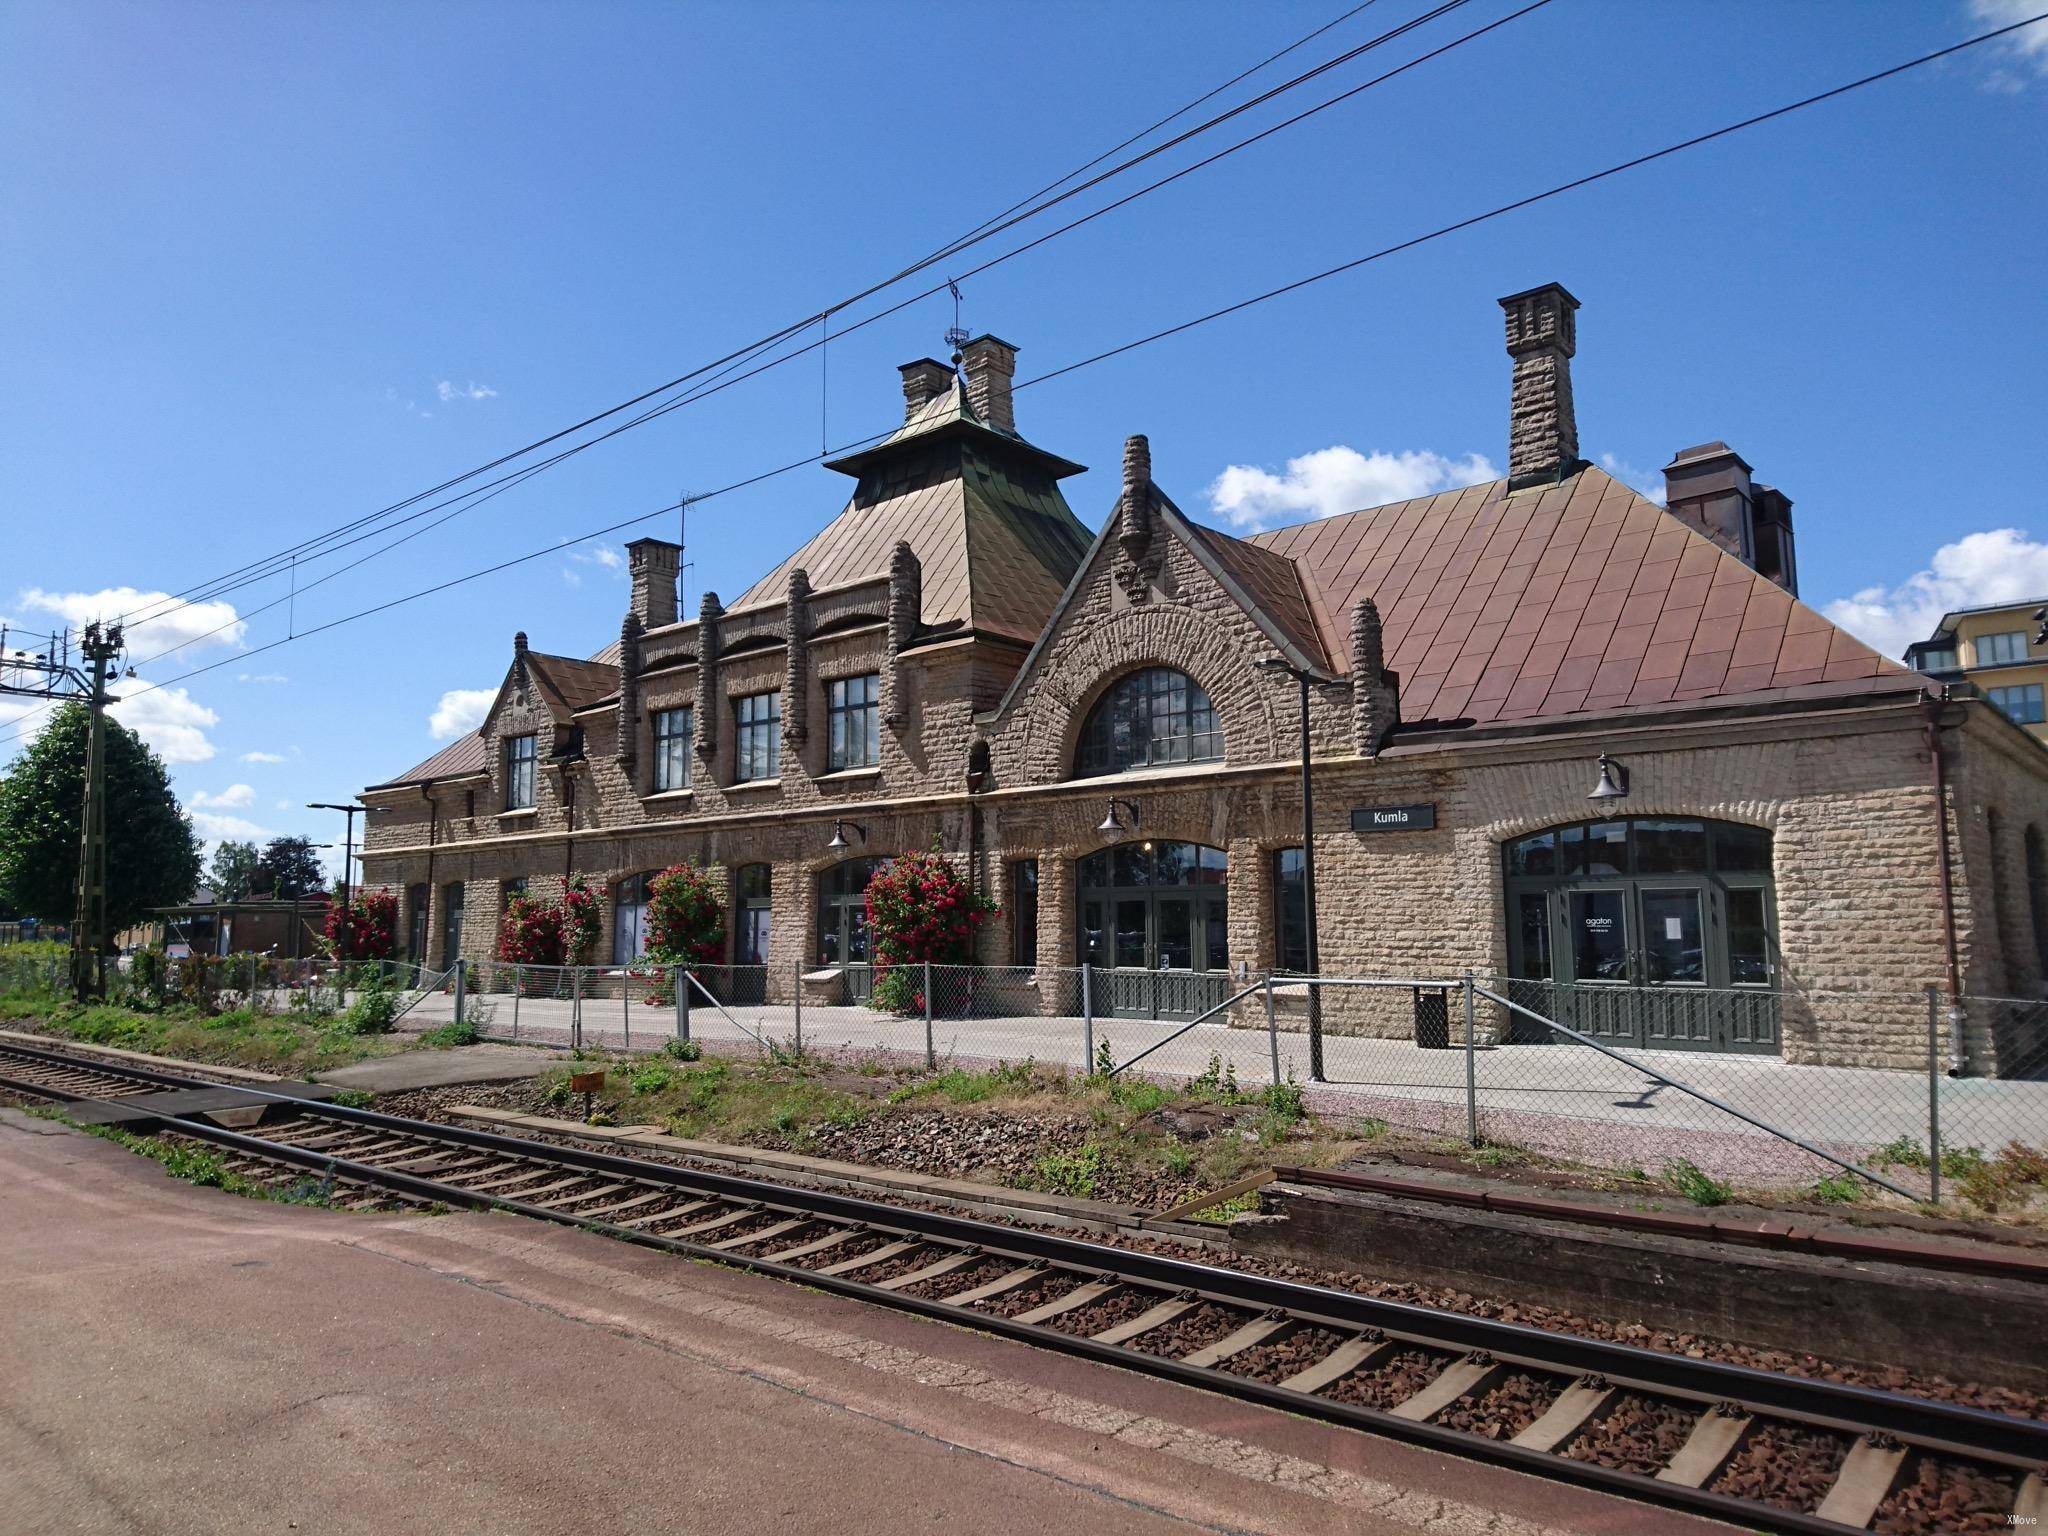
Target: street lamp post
{"type": "Point", "coordinates": [1303, 675]}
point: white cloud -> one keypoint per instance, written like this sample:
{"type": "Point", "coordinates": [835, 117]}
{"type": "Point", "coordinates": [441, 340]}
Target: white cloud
{"type": "Point", "coordinates": [162, 625]}
{"type": "Point", "coordinates": [2027, 48]}
{"type": "Point", "coordinates": [1338, 479]}
{"type": "Point", "coordinates": [171, 721]}
{"type": "Point", "coordinates": [1648, 483]}
{"type": "Point", "coordinates": [262, 757]}
{"type": "Point", "coordinates": [284, 805]}
{"type": "Point", "coordinates": [2001, 565]}
{"type": "Point", "coordinates": [261, 677]}
{"type": "Point", "coordinates": [604, 556]}
{"type": "Point", "coordinates": [215, 827]}
{"type": "Point", "coordinates": [449, 391]}
{"type": "Point", "coordinates": [236, 797]}
{"type": "Point", "coordinates": [460, 711]}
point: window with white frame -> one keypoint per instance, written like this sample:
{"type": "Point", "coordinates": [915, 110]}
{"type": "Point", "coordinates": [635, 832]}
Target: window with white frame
{"type": "Point", "coordinates": [757, 737]}
{"type": "Point", "coordinates": [1996, 650]}
{"type": "Point", "coordinates": [2020, 703]}
{"type": "Point", "coordinates": [853, 712]}
{"type": "Point", "coordinates": [671, 749]}
{"type": "Point", "coordinates": [522, 755]}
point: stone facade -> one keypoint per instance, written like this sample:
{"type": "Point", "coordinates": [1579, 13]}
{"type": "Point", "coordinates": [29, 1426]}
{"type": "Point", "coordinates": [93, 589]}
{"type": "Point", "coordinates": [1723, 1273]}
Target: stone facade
{"type": "Point", "coordinates": [978, 749]}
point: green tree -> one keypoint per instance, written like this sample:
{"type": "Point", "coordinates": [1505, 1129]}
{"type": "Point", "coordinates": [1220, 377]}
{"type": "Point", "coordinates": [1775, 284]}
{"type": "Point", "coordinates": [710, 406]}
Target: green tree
{"type": "Point", "coordinates": [232, 870]}
{"type": "Point", "coordinates": [152, 851]}
{"type": "Point", "coordinates": [290, 869]}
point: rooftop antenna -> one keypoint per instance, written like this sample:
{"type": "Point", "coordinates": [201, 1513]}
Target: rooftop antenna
{"type": "Point", "coordinates": [956, 338]}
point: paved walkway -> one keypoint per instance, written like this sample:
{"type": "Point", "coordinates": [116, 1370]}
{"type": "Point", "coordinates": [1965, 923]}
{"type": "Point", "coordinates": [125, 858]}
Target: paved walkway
{"type": "Point", "coordinates": [181, 1361]}
{"type": "Point", "coordinates": [1565, 1099]}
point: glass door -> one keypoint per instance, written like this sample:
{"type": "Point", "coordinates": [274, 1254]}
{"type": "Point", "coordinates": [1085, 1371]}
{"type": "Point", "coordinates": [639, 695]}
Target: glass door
{"type": "Point", "coordinates": [1597, 921]}
{"type": "Point", "coordinates": [1676, 1011]}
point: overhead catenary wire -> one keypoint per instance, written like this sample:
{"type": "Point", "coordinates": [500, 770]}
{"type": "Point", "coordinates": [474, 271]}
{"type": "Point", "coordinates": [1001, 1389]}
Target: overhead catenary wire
{"type": "Point", "coordinates": [269, 565]}
{"type": "Point", "coordinates": [1500, 211]}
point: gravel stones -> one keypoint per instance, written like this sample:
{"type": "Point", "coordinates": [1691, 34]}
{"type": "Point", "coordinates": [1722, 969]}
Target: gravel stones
{"type": "Point", "coordinates": [1639, 1434]}
{"type": "Point", "coordinates": [1785, 1466]}
{"type": "Point", "coordinates": [1406, 1373]}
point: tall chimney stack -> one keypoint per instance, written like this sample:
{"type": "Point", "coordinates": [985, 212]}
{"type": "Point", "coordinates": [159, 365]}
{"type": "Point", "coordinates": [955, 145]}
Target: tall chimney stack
{"type": "Point", "coordinates": [1543, 432]}
{"type": "Point", "coordinates": [923, 382]}
{"type": "Point", "coordinates": [654, 565]}
{"type": "Point", "coordinates": [989, 363]}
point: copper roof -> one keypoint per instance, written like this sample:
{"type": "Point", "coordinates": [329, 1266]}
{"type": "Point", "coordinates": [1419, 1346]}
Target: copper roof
{"type": "Point", "coordinates": [996, 540]}
{"type": "Point", "coordinates": [573, 681]}
{"type": "Point", "coordinates": [462, 756]}
{"type": "Point", "coordinates": [1579, 597]}
{"type": "Point", "coordinates": [1273, 583]}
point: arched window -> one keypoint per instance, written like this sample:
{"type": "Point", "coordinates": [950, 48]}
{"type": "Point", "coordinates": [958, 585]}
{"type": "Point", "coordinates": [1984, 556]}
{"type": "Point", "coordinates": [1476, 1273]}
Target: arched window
{"type": "Point", "coordinates": [1147, 719]}
{"type": "Point", "coordinates": [629, 919]}
{"type": "Point", "coordinates": [2037, 894]}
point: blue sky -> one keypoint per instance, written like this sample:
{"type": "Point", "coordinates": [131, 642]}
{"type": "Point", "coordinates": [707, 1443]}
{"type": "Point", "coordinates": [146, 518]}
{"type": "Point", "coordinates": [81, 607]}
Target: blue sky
{"type": "Point", "coordinates": [268, 268]}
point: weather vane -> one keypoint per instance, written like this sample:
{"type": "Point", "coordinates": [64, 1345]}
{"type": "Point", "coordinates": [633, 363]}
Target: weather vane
{"type": "Point", "coordinates": [956, 338]}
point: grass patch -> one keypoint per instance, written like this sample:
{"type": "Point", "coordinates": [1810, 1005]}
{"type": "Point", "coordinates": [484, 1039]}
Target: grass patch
{"type": "Point", "coordinates": [1697, 1186]}
{"type": "Point", "coordinates": [201, 1165]}
{"type": "Point", "coordinates": [1236, 1205]}
{"type": "Point", "coordinates": [1079, 1174]}
{"type": "Point", "coordinates": [1837, 1189]}
{"type": "Point", "coordinates": [448, 1036]}
{"type": "Point", "coordinates": [293, 1044]}
{"type": "Point", "coordinates": [959, 1086]}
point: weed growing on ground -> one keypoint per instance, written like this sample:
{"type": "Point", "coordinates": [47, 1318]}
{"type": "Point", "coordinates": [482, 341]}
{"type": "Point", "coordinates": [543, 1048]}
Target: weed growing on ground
{"type": "Point", "coordinates": [959, 1086]}
{"type": "Point", "coordinates": [1079, 1174]}
{"type": "Point", "coordinates": [656, 1076]}
{"type": "Point", "coordinates": [351, 1098]}
{"type": "Point", "coordinates": [1838, 1189]}
{"type": "Point", "coordinates": [1697, 1186]}
{"type": "Point", "coordinates": [373, 1012]}
{"type": "Point", "coordinates": [1223, 1210]}
{"type": "Point", "coordinates": [682, 1050]}
{"type": "Point", "coordinates": [198, 1165]}
{"type": "Point", "coordinates": [1500, 1155]}
{"type": "Point", "coordinates": [450, 1035]}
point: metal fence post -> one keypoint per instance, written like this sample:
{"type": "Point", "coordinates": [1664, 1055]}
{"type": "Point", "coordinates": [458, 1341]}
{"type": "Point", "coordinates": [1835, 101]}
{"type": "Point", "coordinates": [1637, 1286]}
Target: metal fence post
{"type": "Point", "coordinates": [461, 972]}
{"type": "Point", "coordinates": [1934, 1095]}
{"type": "Point", "coordinates": [252, 983]}
{"type": "Point", "coordinates": [1471, 1068]}
{"type": "Point", "coordinates": [576, 1007]}
{"type": "Point", "coordinates": [931, 1056]}
{"type": "Point", "coordinates": [1087, 1022]}
{"type": "Point", "coordinates": [1272, 1029]}
{"type": "Point", "coordinates": [797, 998]}
{"type": "Point", "coordinates": [682, 986]}
{"type": "Point", "coordinates": [518, 988]}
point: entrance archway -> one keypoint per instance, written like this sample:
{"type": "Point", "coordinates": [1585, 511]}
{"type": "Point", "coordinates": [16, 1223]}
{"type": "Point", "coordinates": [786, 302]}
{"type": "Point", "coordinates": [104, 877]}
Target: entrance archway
{"type": "Point", "coordinates": [1652, 931]}
{"type": "Point", "coordinates": [1154, 921]}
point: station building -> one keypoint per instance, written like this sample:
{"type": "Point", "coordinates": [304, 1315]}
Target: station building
{"type": "Point", "coordinates": [1104, 727]}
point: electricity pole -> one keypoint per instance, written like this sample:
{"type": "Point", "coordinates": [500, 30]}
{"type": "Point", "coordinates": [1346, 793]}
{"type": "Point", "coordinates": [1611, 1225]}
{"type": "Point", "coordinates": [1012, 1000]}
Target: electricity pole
{"type": "Point", "coordinates": [48, 673]}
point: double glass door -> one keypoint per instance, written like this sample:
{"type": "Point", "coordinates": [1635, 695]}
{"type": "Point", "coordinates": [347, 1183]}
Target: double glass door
{"type": "Point", "coordinates": [1155, 924]}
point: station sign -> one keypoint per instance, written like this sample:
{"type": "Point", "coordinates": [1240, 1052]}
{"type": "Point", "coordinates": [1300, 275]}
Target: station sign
{"type": "Point", "coordinates": [1393, 818]}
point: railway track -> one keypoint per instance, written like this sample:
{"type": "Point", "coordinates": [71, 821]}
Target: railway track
{"type": "Point", "coordinates": [1759, 1449]}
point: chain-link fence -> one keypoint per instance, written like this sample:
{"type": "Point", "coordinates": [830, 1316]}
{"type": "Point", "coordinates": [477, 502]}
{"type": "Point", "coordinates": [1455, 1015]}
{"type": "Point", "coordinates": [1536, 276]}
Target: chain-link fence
{"type": "Point", "coordinates": [1742, 1085]}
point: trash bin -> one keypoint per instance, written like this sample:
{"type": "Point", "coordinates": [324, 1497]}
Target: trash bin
{"type": "Point", "coordinates": [1433, 1018]}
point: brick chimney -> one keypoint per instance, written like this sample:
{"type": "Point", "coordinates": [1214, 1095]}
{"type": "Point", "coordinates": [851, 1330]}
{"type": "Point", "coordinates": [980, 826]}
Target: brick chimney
{"type": "Point", "coordinates": [654, 564]}
{"type": "Point", "coordinates": [989, 363]}
{"type": "Point", "coordinates": [1543, 432]}
{"type": "Point", "coordinates": [1709, 487]}
{"type": "Point", "coordinates": [923, 382]}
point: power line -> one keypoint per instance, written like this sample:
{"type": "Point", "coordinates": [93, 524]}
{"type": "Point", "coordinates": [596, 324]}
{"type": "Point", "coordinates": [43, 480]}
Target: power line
{"type": "Point", "coordinates": [1500, 211]}
{"type": "Point", "coordinates": [795, 329]}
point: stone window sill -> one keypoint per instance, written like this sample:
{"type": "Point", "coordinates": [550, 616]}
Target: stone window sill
{"type": "Point", "coordinates": [849, 775]}
{"type": "Point", "coordinates": [670, 796]}
{"type": "Point", "coordinates": [745, 785]}
{"type": "Point", "coordinates": [519, 815]}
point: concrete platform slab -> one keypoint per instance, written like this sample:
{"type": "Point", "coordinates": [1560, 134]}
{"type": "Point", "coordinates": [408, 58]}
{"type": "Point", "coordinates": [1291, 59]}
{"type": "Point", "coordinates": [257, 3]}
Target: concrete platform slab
{"type": "Point", "coordinates": [440, 1069]}
{"type": "Point", "coordinates": [231, 1101]}
{"type": "Point", "coordinates": [181, 1361]}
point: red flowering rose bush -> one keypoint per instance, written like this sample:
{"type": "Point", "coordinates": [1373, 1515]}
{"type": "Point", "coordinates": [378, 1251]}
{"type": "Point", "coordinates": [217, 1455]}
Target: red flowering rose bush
{"type": "Point", "coordinates": [685, 926]}
{"type": "Point", "coordinates": [532, 932]}
{"type": "Point", "coordinates": [581, 920]}
{"type": "Point", "coordinates": [371, 923]}
{"type": "Point", "coordinates": [919, 909]}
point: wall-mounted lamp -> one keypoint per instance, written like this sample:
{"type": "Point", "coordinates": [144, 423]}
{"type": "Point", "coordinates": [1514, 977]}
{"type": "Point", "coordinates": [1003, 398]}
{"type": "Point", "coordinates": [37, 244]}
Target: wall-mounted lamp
{"type": "Point", "coordinates": [1613, 783]}
{"type": "Point", "coordinates": [1111, 825]}
{"type": "Point", "coordinates": [839, 843]}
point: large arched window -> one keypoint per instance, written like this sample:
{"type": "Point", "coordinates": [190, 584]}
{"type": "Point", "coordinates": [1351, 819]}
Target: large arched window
{"type": "Point", "coordinates": [1147, 719]}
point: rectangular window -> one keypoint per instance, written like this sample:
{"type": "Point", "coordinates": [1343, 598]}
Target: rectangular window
{"type": "Point", "coordinates": [1994, 650]}
{"type": "Point", "coordinates": [671, 749]}
{"type": "Point", "coordinates": [853, 710]}
{"type": "Point", "coordinates": [1024, 912]}
{"type": "Point", "coordinates": [516, 886]}
{"type": "Point", "coordinates": [2021, 703]}
{"type": "Point", "coordinates": [521, 756]}
{"type": "Point", "coordinates": [1290, 911]}
{"type": "Point", "coordinates": [1935, 661]}
{"type": "Point", "coordinates": [758, 740]}
{"type": "Point", "coordinates": [1749, 940]}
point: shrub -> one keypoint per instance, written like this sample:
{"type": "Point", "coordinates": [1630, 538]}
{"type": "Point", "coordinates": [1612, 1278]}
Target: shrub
{"type": "Point", "coordinates": [685, 926]}
{"type": "Point", "coordinates": [373, 1012]}
{"type": "Point", "coordinates": [581, 921]}
{"type": "Point", "coordinates": [531, 932]}
{"type": "Point", "coordinates": [370, 921]}
{"type": "Point", "coordinates": [682, 1050]}
{"type": "Point", "coordinates": [448, 1036]}
{"type": "Point", "coordinates": [919, 909]}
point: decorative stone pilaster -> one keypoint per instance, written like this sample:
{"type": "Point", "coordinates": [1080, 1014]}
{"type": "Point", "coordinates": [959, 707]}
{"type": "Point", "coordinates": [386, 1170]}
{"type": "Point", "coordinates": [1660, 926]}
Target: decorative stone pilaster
{"type": "Point", "coordinates": [796, 676]}
{"type": "Point", "coordinates": [710, 702]}
{"type": "Point", "coordinates": [1139, 559]}
{"type": "Point", "coordinates": [906, 606]}
{"type": "Point", "coordinates": [1375, 692]}
{"type": "Point", "coordinates": [628, 753]}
